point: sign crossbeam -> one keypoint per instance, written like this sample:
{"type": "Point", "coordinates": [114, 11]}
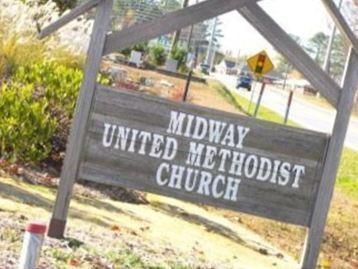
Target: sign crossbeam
{"type": "Point", "coordinates": [73, 14]}
{"type": "Point", "coordinates": [170, 23]}
{"type": "Point", "coordinates": [291, 177]}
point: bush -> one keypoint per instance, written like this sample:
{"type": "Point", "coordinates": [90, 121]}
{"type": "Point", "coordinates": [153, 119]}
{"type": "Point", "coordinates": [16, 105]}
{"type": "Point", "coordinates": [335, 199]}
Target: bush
{"type": "Point", "coordinates": [59, 84]}
{"type": "Point", "coordinates": [180, 56]}
{"type": "Point", "coordinates": [157, 55]}
{"type": "Point", "coordinates": [141, 47]}
{"type": "Point", "coordinates": [25, 124]}
{"type": "Point", "coordinates": [14, 53]}
{"type": "Point", "coordinates": [37, 110]}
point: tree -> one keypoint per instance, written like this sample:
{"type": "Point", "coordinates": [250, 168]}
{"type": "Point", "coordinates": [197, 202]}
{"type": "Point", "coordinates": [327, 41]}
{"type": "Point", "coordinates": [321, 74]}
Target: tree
{"type": "Point", "coordinates": [283, 66]}
{"type": "Point", "coordinates": [338, 57]}
{"type": "Point", "coordinates": [317, 47]}
{"type": "Point", "coordinates": [351, 11]}
{"type": "Point", "coordinates": [176, 35]}
{"type": "Point", "coordinates": [129, 12]}
{"type": "Point", "coordinates": [169, 5]}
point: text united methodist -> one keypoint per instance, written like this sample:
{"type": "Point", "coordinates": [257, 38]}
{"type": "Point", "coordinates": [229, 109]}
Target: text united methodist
{"type": "Point", "coordinates": [203, 155]}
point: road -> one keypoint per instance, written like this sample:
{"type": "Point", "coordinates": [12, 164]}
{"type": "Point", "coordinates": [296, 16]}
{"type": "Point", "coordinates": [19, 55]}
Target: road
{"type": "Point", "coordinates": [305, 114]}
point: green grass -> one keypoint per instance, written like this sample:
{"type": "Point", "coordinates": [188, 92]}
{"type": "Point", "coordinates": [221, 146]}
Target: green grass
{"type": "Point", "coordinates": [347, 179]}
{"type": "Point", "coordinates": [243, 105]}
{"type": "Point", "coordinates": [227, 95]}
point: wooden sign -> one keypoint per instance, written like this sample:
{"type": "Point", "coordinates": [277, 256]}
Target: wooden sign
{"type": "Point", "coordinates": [260, 64]}
{"type": "Point", "coordinates": [202, 155]}
{"type": "Point", "coordinates": [199, 154]}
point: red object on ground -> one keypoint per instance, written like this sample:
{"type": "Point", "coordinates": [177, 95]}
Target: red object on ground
{"type": "Point", "coordinates": [36, 227]}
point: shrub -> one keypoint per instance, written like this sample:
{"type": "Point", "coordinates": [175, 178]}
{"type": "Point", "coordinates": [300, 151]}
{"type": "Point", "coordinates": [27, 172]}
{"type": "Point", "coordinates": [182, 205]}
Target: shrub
{"type": "Point", "coordinates": [56, 85]}
{"type": "Point", "coordinates": [157, 55]}
{"type": "Point", "coordinates": [126, 52]}
{"type": "Point", "coordinates": [25, 124]}
{"type": "Point", "coordinates": [59, 83]}
{"type": "Point", "coordinates": [179, 55]}
{"type": "Point", "coordinates": [14, 53]}
{"type": "Point", "coordinates": [141, 47]}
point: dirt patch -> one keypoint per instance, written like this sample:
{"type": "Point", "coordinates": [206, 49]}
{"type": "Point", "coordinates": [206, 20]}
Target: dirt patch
{"type": "Point", "coordinates": [339, 246]}
{"type": "Point", "coordinates": [103, 233]}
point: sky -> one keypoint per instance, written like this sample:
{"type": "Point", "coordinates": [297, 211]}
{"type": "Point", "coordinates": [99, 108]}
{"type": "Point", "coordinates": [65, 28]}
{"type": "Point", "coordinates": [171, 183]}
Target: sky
{"type": "Point", "coordinates": [303, 18]}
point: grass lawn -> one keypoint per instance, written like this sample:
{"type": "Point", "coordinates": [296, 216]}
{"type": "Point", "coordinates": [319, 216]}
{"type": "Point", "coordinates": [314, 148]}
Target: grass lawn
{"type": "Point", "coordinates": [243, 104]}
{"type": "Point", "coordinates": [347, 180]}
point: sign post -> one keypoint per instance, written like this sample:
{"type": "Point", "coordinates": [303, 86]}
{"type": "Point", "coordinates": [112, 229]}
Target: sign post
{"type": "Point", "coordinates": [263, 85]}
{"type": "Point", "coordinates": [202, 155]}
{"type": "Point", "coordinates": [82, 112]}
{"type": "Point", "coordinates": [260, 64]}
{"type": "Point", "coordinates": [288, 108]}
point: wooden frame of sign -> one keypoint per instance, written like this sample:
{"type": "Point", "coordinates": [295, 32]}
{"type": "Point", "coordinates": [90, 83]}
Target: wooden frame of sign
{"type": "Point", "coordinates": [202, 155]}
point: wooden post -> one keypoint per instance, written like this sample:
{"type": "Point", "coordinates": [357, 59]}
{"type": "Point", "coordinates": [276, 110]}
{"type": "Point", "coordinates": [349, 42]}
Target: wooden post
{"type": "Point", "coordinates": [288, 108]}
{"type": "Point", "coordinates": [260, 99]}
{"type": "Point", "coordinates": [319, 216]}
{"type": "Point", "coordinates": [82, 111]}
{"type": "Point", "coordinates": [186, 91]}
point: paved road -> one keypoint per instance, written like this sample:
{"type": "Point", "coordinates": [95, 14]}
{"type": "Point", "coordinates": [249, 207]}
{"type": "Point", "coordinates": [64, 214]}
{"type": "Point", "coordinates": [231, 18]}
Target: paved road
{"type": "Point", "coordinates": [306, 114]}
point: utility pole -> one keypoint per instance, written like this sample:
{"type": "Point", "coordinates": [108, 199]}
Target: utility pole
{"type": "Point", "coordinates": [209, 60]}
{"type": "Point", "coordinates": [190, 74]}
{"type": "Point", "coordinates": [327, 59]}
{"type": "Point", "coordinates": [177, 33]}
{"type": "Point", "coordinates": [288, 66]}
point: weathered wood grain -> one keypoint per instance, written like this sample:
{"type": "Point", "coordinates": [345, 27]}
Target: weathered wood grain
{"type": "Point", "coordinates": [319, 215]}
{"type": "Point", "coordinates": [73, 14]}
{"type": "Point", "coordinates": [171, 22]}
{"type": "Point", "coordinates": [82, 112]}
{"type": "Point", "coordinates": [269, 29]}
{"type": "Point", "coordinates": [152, 114]}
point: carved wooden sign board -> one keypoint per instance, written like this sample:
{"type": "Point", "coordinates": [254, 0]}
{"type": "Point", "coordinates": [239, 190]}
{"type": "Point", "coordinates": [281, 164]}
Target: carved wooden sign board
{"type": "Point", "coordinates": [202, 155]}
{"type": "Point", "coordinates": [198, 154]}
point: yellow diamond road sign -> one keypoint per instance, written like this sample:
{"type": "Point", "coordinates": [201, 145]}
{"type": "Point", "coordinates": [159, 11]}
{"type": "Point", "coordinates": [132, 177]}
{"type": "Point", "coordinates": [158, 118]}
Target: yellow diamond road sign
{"type": "Point", "coordinates": [260, 64]}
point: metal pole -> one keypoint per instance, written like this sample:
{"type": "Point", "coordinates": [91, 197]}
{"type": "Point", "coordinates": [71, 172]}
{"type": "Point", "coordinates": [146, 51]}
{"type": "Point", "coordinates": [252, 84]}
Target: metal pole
{"type": "Point", "coordinates": [289, 102]}
{"type": "Point", "coordinates": [211, 51]}
{"type": "Point", "coordinates": [186, 90]}
{"type": "Point", "coordinates": [260, 99]}
{"type": "Point", "coordinates": [185, 96]}
{"type": "Point", "coordinates": [286, 76]}
{"type": "Point", "coordinates": [31, 247]}
{"type": "Point", "coordinates": [252, 97]}
{"type": "Point", "coordinates": [327, 59]}
{"type": "Point", "coordinates": [177, 33]}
